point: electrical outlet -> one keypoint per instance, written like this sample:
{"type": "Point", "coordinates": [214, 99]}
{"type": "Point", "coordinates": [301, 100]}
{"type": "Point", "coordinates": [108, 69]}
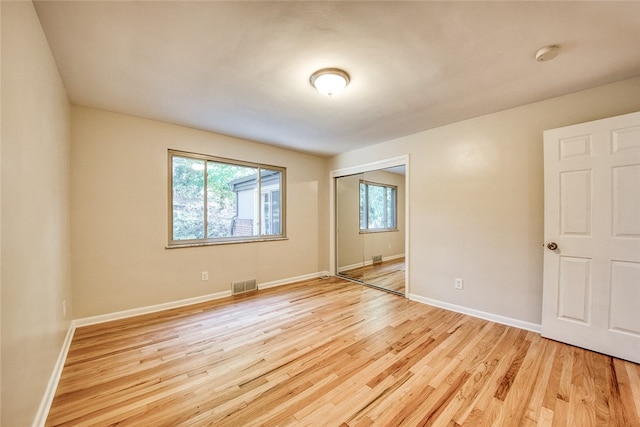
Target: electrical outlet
{"type": "Point", "coordinates": [64, 308]}
{"type": "Point", "coordinates": [458, 284]}
{"type": "Point", "coordinates": [205, 276]}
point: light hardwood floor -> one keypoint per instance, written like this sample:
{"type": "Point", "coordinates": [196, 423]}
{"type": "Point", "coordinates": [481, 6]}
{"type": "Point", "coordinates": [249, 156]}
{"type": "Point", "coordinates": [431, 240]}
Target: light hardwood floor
{"type": "Point", "coordinates": [334, 353]}
{"type": "Point", "coordinates": [388, 275]}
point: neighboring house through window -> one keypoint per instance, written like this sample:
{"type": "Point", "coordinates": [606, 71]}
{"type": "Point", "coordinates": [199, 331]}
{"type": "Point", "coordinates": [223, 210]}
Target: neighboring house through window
{"type": "Point", "coordinates": [246, 193]}
{"type": "Point", "coordinates": [216, 200]}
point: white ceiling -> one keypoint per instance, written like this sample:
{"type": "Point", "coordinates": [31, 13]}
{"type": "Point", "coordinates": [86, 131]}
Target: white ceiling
{"type": "Point", "coordinates": [242, 68]}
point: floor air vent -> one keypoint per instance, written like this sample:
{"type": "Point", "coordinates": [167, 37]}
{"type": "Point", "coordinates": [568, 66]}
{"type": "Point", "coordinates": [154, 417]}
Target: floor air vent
{"type": "Point", "coordinates": [377, 259]}
{"type": "Point", "coordinates": [246, 286]}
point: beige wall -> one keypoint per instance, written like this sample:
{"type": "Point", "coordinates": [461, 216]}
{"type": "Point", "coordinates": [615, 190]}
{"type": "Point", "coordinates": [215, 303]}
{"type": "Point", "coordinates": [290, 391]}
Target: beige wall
{"type": "Point", "coordinates": [119, 214]}
{"type": "Point", "coordinates": [476, 208]}
{"type": "Point", "coordinates": [35, 213]}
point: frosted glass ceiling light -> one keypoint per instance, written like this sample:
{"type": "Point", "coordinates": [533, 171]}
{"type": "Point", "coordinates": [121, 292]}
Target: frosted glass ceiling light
{"type": "Point", "coordinates": [329, 81]}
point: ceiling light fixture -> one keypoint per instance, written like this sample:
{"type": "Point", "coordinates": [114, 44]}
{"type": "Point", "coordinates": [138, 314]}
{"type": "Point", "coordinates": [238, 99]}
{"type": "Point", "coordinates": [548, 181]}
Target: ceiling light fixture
{"type": "Point", "coordinates": [329, 81]}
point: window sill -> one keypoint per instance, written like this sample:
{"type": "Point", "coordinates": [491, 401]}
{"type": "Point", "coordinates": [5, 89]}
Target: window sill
{"type": "Point", "coordinates": [224, 242]}
{"type": "Point", "coordinates": [381, 230]}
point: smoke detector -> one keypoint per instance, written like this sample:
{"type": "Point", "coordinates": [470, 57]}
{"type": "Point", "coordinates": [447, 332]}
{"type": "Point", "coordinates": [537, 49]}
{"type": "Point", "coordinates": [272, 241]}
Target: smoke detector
{"type": "Point", "coordinates": [547, 53]}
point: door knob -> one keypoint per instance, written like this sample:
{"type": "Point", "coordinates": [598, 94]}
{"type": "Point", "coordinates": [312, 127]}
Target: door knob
{"type": "Point", "coordinates": [552, 246]}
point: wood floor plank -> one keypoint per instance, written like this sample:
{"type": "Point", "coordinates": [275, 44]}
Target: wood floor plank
{"type": "Point", "coordinates": [541, 384]}
{"type": "Point", "coordinates": [553, 386]}
{"type": "Point", "coordinates": [334, 353]}
{"type": "Point", "coordinates": [515, 402]}
{"type": "Point", "coordinates": [633, 372]}
{"type": "Point", "coordinates": [622, 394]}
{"type": "Point", "coordinates": [500, 359]}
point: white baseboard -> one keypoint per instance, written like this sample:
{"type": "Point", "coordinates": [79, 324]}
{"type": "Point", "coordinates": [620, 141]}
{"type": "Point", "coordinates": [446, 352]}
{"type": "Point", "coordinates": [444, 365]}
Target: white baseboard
{"type": "Point", "coordinates": [52, 385]}
{"type": "Point", "coordinates": [369, 262]}
{"type": "Point", "coordinates": [86, 321]}
{"type": "Point", "coordinates": [281, 282]}
{"type": "Point", "coordinates": [392, 257]}
{"type": "Point", "coordinates": [521, 324]}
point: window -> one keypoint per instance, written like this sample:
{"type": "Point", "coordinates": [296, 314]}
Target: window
{"type": "Point", "coordinates": [377, 207]}
{"type": "Point", "coordinates": [215, 200]}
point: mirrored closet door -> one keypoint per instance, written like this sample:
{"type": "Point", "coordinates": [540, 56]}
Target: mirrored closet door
{"type": "Point", "coordinates": [370, 229]}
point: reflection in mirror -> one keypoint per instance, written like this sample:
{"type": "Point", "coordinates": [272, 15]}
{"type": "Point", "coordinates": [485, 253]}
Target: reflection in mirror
{"type": "Point", "coordinates": [349, 242]}
{"type": "Point", "coordinates": [370, 228]}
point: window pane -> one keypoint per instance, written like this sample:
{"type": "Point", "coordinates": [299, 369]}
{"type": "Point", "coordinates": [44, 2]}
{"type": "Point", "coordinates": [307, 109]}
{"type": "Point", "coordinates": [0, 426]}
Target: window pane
{"type": "Point", "coordinates": [377, 209]}
{"type": "Point", "coordinates": [188, 198]}
{"type": "Point", "coordinates": [391, 207]}
{"type": "Point", "coordinates": [270, 184]}
{"type": "Point", "coordinates": [231, 200]}
{"type": "Point", "coordinates": [363, 206]}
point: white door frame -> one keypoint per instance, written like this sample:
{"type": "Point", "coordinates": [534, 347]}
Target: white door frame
{"type": "Point", "coordinates": [369, 167]}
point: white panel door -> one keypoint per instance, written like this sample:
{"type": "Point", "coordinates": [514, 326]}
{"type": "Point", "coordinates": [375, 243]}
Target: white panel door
{"type": "Point", "coordinates": [591, 295]}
